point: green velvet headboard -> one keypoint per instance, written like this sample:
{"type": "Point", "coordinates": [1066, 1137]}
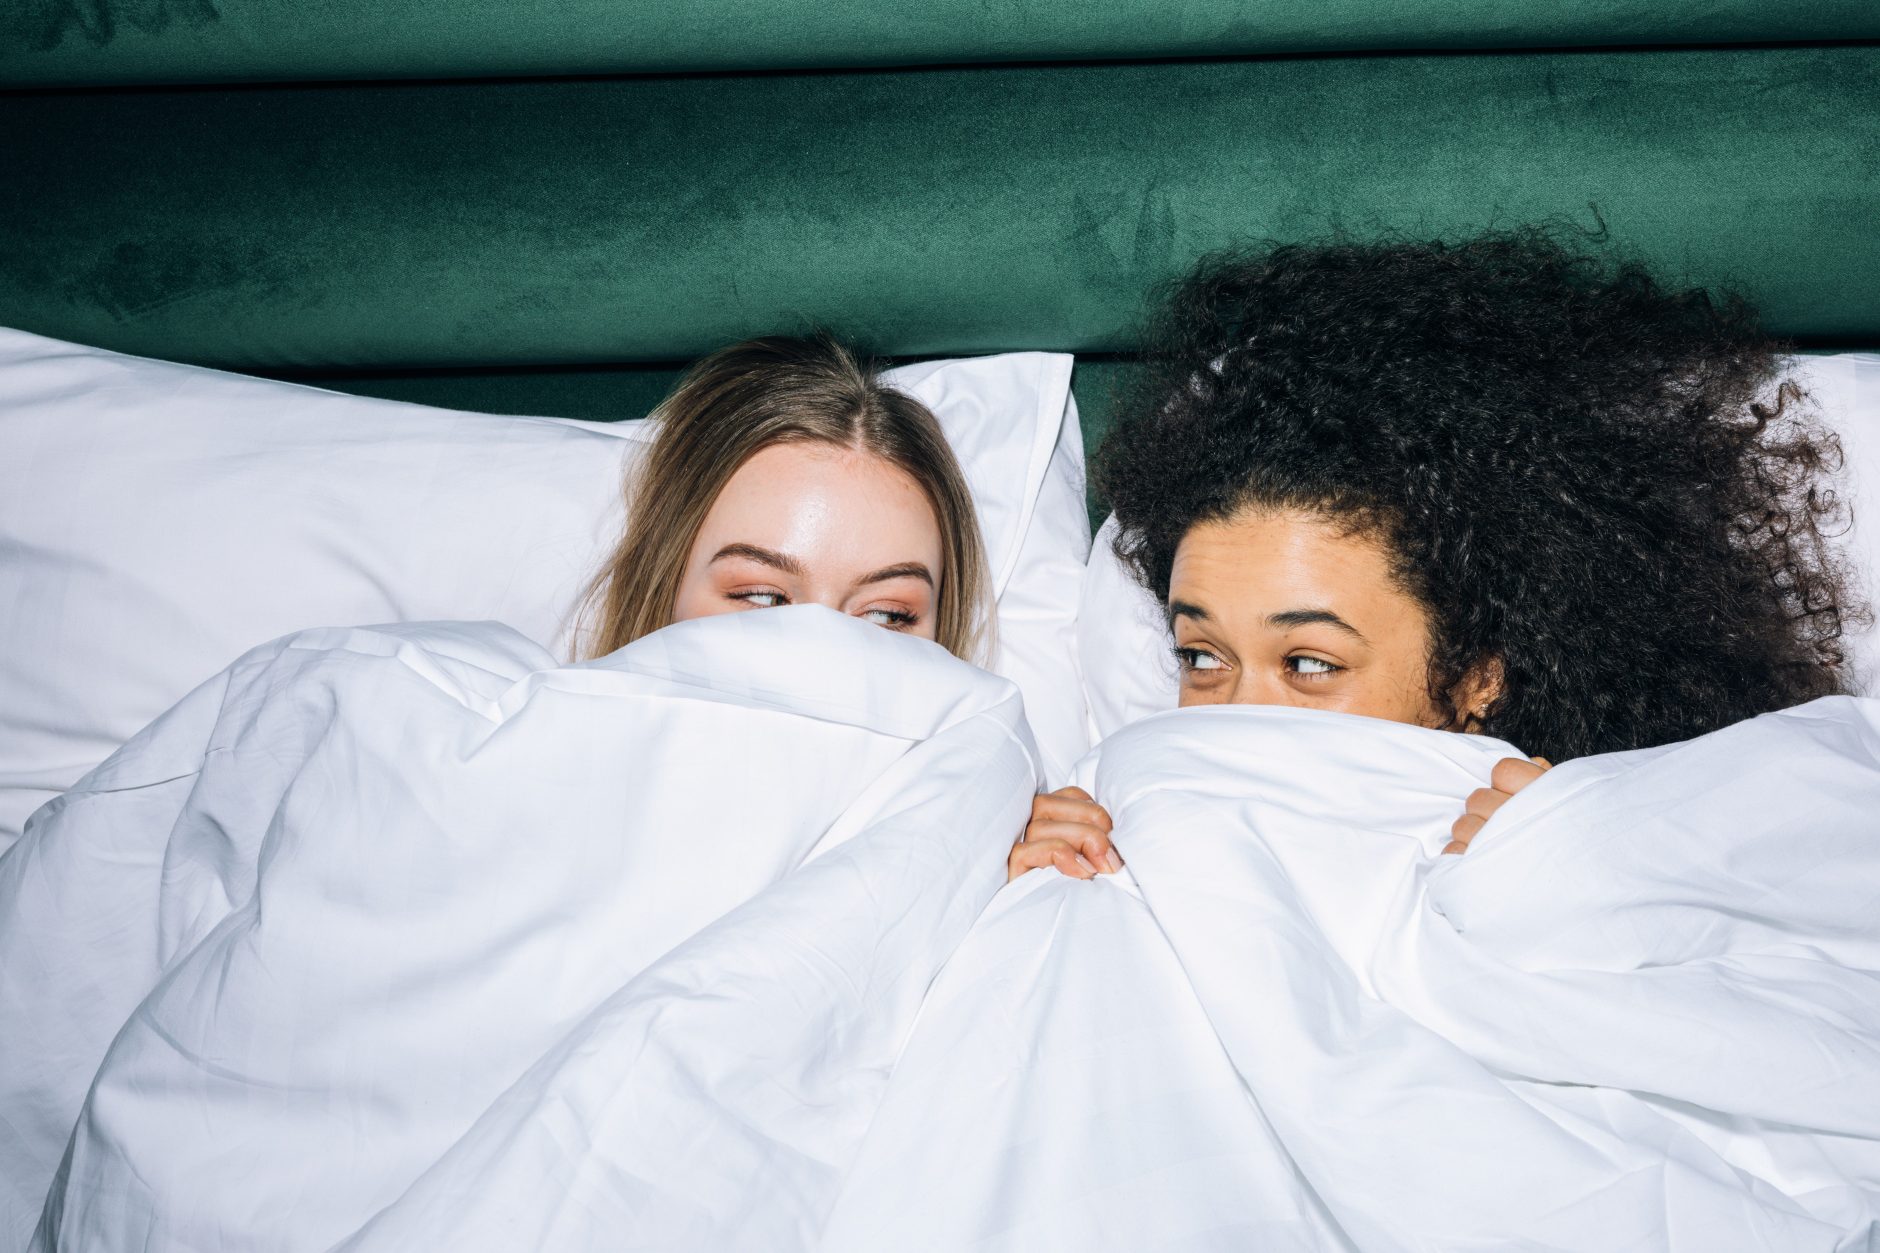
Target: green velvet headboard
{"type": "Point", "coordinates": [535, 215]}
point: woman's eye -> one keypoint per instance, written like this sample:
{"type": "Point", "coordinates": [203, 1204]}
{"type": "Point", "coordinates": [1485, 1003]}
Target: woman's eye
{"type": "Point", "coordinates": [1198, 660]}
{"type": "Point", "coordinates": [888, 617]}
{"type": "Point", "coordinates": [1312, 667]}
{"type": "Point", "coordinates": [760, 600]}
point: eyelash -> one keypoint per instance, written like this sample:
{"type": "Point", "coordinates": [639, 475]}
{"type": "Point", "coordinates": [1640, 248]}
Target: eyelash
{"type": "Point", "coordinates": [1187, 658]}
{"type": "Point", "coordinates": [1326, 673]}
{"type": "Point", "coordinates": [897, 619]}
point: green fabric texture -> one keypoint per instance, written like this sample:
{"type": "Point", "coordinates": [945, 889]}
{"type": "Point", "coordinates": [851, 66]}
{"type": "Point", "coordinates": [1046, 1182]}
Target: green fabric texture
{"type": "Point", "coordinates": [61, 42]}
{"type": "Point", "coordinates": [922, 211]}
{"type": "Point", "coordinates": [593, 393]}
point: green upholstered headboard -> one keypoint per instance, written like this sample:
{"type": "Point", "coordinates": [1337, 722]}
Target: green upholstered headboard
{"type": "Point", "coordinates": [526, 208]}
{"type": "Point", "coordinates": [118, 42]}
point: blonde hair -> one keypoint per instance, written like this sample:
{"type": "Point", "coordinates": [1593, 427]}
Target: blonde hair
{"type": "Point", "coordinates": [738, 402]}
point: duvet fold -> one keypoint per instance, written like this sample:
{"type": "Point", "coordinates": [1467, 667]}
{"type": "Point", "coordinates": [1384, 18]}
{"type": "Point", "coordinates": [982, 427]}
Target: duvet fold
{"type": "Point", "coordinates": [1642, 1012]}
{"type": "Point", "coordinates": [418, 941]}
{"type": "Point", "coordinates": [276, 957]}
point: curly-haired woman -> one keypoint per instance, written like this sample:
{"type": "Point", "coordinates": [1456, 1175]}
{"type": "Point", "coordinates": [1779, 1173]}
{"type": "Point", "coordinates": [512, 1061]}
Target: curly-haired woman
{"type": "Point", "coordinates": [1504, 486]}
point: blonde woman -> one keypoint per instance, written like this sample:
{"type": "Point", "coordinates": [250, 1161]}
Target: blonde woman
{"type": "Point", "coordinates": [784, 472]}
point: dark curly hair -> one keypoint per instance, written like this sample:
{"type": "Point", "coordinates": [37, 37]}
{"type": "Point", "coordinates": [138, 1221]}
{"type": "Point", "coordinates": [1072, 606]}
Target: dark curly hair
{"type": "Point", "coordinates": [1602, 482]}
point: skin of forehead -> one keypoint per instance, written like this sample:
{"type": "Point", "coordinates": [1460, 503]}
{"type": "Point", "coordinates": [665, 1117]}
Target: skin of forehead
{"type": "Point", "coordinates": [840, 513]}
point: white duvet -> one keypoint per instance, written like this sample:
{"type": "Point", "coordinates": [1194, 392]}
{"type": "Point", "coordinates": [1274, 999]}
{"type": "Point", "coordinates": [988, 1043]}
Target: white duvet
{"type": "Point", "coordinates": [1642, 1013]}
{"type": "Point", "coordinates": [345, 896]}
{"type": "Point", "coordinates": [678, 951]}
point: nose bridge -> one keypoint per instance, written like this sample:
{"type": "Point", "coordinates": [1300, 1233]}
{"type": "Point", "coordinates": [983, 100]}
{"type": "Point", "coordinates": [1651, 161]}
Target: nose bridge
{"type": "Point", "coordinates": [824, 593]}
{"type": "Point", "coordinates": [1257, 687]}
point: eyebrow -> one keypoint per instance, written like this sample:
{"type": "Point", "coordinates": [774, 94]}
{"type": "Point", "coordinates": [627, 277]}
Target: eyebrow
{"type": "Point", "coordinates": [1290, 618]}
{"type": "Point", "coordinates": [906, 570]}
{"type": "Point", "coordinates": [762, 556]}
{"type": "Point", "coordinates": [790, 565]}
{"type": "Point", "coordinates": [1285, 620]}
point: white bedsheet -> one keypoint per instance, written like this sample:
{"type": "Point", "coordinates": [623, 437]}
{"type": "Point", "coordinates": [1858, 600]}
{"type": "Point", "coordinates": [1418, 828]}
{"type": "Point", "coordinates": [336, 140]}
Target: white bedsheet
{"type": "Point", "coordinates": [349, 892]}
{"type": "Point", "coordinates": [1642, 1013]}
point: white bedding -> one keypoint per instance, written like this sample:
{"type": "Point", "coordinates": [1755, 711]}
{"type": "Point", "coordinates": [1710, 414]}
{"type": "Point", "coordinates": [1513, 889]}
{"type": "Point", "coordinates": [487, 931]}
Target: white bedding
{"type": "Point", "coordinates": [351, 890]}
{"type": "Point", "coordinates": [1642, 1013]}
{"type": "Point", "coordinates": [156, 520]}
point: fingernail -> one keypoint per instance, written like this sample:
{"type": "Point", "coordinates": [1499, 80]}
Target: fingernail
{"type": "Point", "coordinates": [1085, 863]}
{"type": "Point", "coordinates": [1115, 862]}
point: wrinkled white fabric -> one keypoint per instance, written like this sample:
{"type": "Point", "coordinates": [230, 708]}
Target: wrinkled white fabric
{"type": "Point", "coordinates": [409, 1007]}
{"type": "Point", "coordinates": [311, 924]}
{"type": "Point", "coordinates": [1641, 1013]}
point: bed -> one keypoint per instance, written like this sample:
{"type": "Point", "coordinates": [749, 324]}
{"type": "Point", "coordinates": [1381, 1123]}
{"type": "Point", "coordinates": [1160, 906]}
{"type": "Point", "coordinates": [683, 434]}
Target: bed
{"type": "Point", "coordinates": [539, 212]}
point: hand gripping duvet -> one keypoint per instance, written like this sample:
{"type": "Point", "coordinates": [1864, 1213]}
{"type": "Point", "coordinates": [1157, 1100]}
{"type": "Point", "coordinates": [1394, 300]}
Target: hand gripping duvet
{"type": "Point", "coordinates": [1641, 1013]}
{"type": "Point", "coordinates": [634, 942]}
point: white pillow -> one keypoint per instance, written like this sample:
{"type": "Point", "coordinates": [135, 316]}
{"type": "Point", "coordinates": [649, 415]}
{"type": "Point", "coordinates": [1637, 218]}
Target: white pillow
{"type": "Point", "coordinates": [1012, 422]}
{"type": "Point", "coordinates": [1122, 639]}
{"type": "Point", "coordinates": [1125, 655]}
{"type": "Point", "coordinates": [156, 520]}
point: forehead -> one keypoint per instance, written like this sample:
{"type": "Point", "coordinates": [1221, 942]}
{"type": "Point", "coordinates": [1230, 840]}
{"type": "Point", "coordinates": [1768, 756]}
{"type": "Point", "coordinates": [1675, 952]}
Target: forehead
{"type": "Point", "coordinates": [802, 497]}
{"type": "Point", "coordinates": [1260, 562]}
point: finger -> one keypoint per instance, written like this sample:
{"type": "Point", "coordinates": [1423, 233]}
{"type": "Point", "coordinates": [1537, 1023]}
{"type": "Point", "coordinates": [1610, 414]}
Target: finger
{"type": "Point", "coordinates": [1059, 808]}
{"type": "Point", "coordinates": [1026, 857]}
{"type": "Point", "coordinates": [1037, 854]}
{"type": "Point", "coordinates": [1092, 844]}
{"type": "Point", "coordinates": [1511, 774]}
{"type": "Point", "coordinates": [1462, 831]}
{"type": "Point", "coordinates": [1098, 851]}
{"type": "Point", "coordinates": [1052, 851]}
{"type": "Point", "coordinates": [1071, 862]}
{"type": "Point", "coordinates": [1542, 762]}
{"type": "Point", "coordinates": [1065, 809]}
{"type": "Point", "coordinates": [1075, 833]}
{"type": "Point", "coordinates": [1032, 854]}
{"type": "Point", "coordinates": [1484, 801]}
{"type": "Point", "coordinates": [1074, 793]}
